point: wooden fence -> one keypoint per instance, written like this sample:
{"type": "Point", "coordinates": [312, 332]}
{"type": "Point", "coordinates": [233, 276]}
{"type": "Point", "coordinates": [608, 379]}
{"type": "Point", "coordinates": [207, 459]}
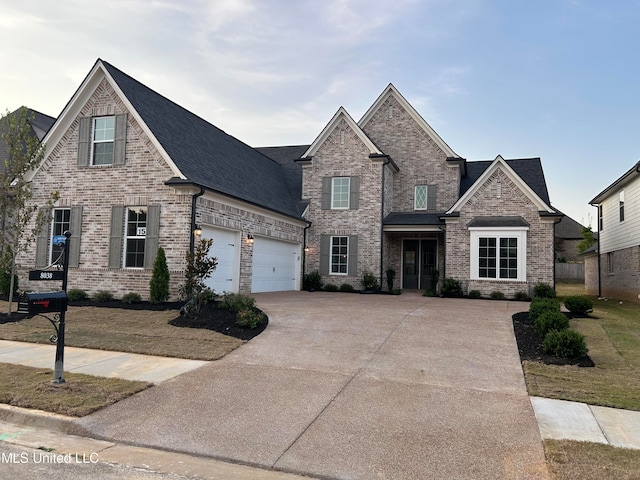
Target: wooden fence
{"type": "Point", "coordinates": [573, 272]}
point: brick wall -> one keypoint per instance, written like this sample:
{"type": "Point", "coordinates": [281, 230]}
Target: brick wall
{"type": "Point", "coordinates": [622, 279]}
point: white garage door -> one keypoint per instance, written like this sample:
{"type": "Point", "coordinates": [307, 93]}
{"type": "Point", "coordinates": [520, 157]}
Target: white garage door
{"type": "Point", "coordinates": [226, 246]}
{"type": "Point", "coordinates": [275, 265]}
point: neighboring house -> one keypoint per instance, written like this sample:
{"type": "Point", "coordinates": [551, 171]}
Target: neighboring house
{"type": "Point", "coordinates": [136, 171]}
{"type": "Point", "coordinates": [568, 236]}
{"type": "Point", "coordinates": [613, 269]}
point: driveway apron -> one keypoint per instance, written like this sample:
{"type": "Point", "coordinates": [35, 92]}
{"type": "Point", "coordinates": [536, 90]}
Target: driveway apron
{"type": "Point", "coordinates": [353, 386]}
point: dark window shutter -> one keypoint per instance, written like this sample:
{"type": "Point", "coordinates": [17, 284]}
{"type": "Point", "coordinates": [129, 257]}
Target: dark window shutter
{"type": "Point", "coordinates": [115, 237]}
{"type": "Point", "coordinates": [42, 241]}
{"type": "Point", "coordinates": [432, 196]}
{"type": "Point", "coordinates": [153, 233]}
{"type": "Point", "coordinates": [325, 241]}
{"type": "Point", "coordinates": [76, 232]}
{"type": "Point", "coordinates": [120, 139]}
{"type": "Point", "coordinates": [353, 255]}
{"type": "Point", "coordinates": [326, 193]}
{"type": "Point", "coordinates": [84, 140]}
{"type": "Point", "coordinates": [354, 193]}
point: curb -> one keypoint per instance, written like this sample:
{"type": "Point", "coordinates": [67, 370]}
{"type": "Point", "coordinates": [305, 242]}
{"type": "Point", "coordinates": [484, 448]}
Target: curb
{"type": "Point", "coordinates": [36, 418]}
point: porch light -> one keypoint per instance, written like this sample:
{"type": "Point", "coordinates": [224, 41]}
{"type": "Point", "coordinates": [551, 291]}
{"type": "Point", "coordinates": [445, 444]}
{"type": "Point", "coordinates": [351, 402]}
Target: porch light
{"type": "Point", "coordinates": [197, 231]}
{"type": "Point", "coordinates": [250, 239]}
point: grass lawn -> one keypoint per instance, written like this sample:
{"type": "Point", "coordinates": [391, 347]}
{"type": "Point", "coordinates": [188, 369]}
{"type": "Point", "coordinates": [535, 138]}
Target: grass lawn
{"type": "Point", "coordinates": [612, 333]}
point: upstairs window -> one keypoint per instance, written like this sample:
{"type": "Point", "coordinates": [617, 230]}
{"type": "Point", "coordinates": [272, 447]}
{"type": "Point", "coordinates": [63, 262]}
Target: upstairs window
{"type": "Point", "coordinates": [600, 219]}
{"type": "Point", "coordinates": [424, 197]}
{"type": "Point", "coordinates": [340, 193]}
{"type": "Point", "coordinates": [104, 129]}
{"type": "Point", "coordinates": [621, 205]}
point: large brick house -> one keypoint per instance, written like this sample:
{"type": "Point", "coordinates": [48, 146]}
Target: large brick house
{"type": "Point", "coordinates": [136, 171]}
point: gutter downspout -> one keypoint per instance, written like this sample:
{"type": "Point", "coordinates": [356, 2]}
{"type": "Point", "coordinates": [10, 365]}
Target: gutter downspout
{"type": "Point", "coordinates": [554, 252]}
{"type": "Point", "coordinates": [304, 253]}
{"type": "Point", "coordinates": [194, 201]}
{"type": "Point", "coordinates": [382, 222]}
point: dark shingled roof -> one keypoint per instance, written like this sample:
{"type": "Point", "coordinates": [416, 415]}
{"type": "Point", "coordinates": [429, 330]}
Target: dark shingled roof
{"type": "Point", "coordinates": [514, 221]}
{"type": "Point", "coordinates": [568, 228]}
{"type": "Point", "coordinates": [40, 125]}
{"type": "Point", "coordinates": [205, 154]}
{"type": "Point", "coordinates": [529, 169]}
{"type": "Point", "coordinates": [413, 218]}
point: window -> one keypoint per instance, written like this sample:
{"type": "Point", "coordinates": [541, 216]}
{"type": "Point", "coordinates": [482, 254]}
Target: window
{"type": "Point", "coordinates": [610, 269]}
{"type": "Point", "coordinates": [135, 236]}
{"type": "Point", "coordinates": [621, 204]}
{"type": "Point", "coordinates": [61, 223]}
{"type": "Point", "coordinates": [340, 192]}
{"type": "Point", "coordinates": [103, 140]}
{"type": "Point", "coordinates": [499, 254]}
{"type": "Point", "coordinates": [424, 197]}
{"type": "Point", "coordinates": [600, 218]}
{"type": "Point", "coordinates": [339, 255]}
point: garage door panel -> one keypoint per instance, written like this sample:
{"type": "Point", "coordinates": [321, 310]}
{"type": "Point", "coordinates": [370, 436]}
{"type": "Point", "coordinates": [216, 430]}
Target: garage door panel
{"type": "Point", "coordinates": [275, 265]}
{"type": "Point", "coordinates": [225, 248]}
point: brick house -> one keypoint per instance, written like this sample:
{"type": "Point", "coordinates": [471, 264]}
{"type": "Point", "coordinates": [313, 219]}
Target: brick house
{"type": "Point", "coordinates": [136, 171]}
{"type": "Point", "coordinates": [612, 269]}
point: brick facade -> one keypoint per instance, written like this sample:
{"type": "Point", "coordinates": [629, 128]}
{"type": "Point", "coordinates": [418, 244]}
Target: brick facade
{"type": "Point", "coordinates": [619, 274]}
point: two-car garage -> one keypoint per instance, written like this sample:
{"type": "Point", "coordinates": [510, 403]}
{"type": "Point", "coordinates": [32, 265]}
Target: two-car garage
{"type": "Point", "coordinates": [275, 264]}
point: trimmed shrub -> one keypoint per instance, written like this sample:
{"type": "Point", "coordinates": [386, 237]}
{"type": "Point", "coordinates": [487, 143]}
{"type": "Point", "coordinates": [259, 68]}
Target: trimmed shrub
{"type": "Point", "coordinates": [346, 287]}
{"type": "Point", "coordinates": [159, 284]}
{"type": "Point", "coordinates": [550, 320]}
{"type": "Point", "coordinates": [565, 343]}
{"type": "Point", "coordinates": [391, 275]}
{"type": "Point", "coordinates": [543, 290]}
{"type": "Point", "coordinates": [313, 281]}
{"type": "Point", "coordinates": [579, 304]}
{"type": "Point", "coordinates": [521, 296]}
{"type": "Point", "coordinates": [541, 305]}
{"type": "Point", "coordinates": [237, 302]}
{"type": "Point", "coordinates": [369, 281]}
{"type": "Point", "coordinates": [249, 318]}
{"type": "Point", "coordinates": [475, 294]}
{"type": "Point", "coordinates": [451, 288]}
{"type": "Point", "coordinates": [131, 298]}
{"type": "Point", "coordinates": [330, 287]}
{"type": "Point", "coordinates": [497, 295]}
{"type": "Point", "coordinates": [396, 291]}
{"type": "Point", "coordinates": [75, 294]}
{"type": "Point", "coordinates": [102, 296]}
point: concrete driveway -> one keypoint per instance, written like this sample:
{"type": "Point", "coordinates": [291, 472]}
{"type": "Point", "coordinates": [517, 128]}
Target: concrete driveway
{"type": "Point", "coordinates": [353, 386]}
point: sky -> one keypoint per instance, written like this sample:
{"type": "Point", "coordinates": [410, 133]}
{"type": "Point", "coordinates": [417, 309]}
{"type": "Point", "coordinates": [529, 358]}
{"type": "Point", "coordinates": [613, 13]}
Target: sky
{"type": "Point", "coordinates": [555, 79]}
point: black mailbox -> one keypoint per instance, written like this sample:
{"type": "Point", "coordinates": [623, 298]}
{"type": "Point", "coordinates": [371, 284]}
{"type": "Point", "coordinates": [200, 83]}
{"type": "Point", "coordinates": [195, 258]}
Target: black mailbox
{"type": "Point", "coordinates": [48, 302]}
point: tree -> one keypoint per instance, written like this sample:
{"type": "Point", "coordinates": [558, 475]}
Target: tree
{"type": "Point", "coordinates": [159, 284]}
{"type": "Point", "coordinates": [200, 266]}
{"type": "Point", "coordinates": [24, 152]}
{"type": "Point", "coordinates": [587, 240]}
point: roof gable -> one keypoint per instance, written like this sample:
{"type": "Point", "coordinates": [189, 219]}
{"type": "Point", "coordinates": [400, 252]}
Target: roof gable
{"type": "Point", "coordinates": [392, 91]}
{"type": "Point", "coordinates": [627, 177]}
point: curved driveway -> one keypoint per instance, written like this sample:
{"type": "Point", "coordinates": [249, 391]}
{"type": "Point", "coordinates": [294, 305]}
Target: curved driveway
{"type": "Point", "coordinates": [353, 386]}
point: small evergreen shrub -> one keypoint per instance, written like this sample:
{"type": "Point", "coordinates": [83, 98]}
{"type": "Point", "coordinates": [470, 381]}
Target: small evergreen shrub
{"type": "Point", "coordinates": [497, 295]}
{"type": "Point", "coordinates": [249, 318]}
{"type": "Point", "coordinates": [541, 305]}
{"type": "Point", "coordinates": [521, 296]}
{"type": "Point", "coordinates": [75, 294]}
{"type": "Point", "coordinates": [543, 290]}
{"type": "Point", "coordinates": [369, 281]}
{"type": "Point", "coordinates": [159, 284]}
{"type": "Point", "coordinates": [330, 287]}
{"type": "Point", "coordinates": [451, 288]}
{"type": "Point", "coordinates": [131, 298]}
{"type": "Point", "coordinates": [428, 293]}
{"type": "Point", "coordinates": [396, 291]}
{"type": "Point", "coordinates": [346, 287]}
{"type": "Point", "coordinates": [475, 294]}
{"type": "Point", "coordinates": [391, 275]}
{"type": "Point", "coordinates": [579, 304]}
{"type": "Point", "coordinates": [5, 282]}
{"type": "Point", "coordinates": [565, 343]}
{"type": "Point", "coordinates": [550, 320]}
{"type": "Point", "coordinates": [102, 296]}
{"type": "Point", "coordinates": [313, 281]}
{"type": "Point", "coordinates": [237, 302]}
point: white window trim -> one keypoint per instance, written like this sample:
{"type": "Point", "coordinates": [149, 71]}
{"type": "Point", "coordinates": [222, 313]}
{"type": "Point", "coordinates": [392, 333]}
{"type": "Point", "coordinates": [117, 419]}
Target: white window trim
{"type": "Point", "coordinates": [333, 180]}
{"type": "Point", "coordinates": [507, 232]}
{"type": "Point", "coordinates": [136, 237]}
{"type": "Point", "coordinates": [331, 255]}
{"type": "Point", "coordinates": [94, 141]}
{"type": "Point", "coordinates": [621, 212]}
{"type": "Point", "coordinates": [426, 197]}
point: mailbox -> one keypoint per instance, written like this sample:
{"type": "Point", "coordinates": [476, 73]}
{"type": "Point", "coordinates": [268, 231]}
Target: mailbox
{"type": "Point", "coordinates": [49, 302]}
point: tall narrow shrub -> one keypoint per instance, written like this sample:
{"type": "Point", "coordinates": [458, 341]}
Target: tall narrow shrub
{"type": "Point", "coordinates": [159, 284]}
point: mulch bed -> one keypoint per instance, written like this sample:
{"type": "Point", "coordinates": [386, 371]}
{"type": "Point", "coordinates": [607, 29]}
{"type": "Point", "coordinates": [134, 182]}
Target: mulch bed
{"type": "Point", "coordinates": [530, 344]}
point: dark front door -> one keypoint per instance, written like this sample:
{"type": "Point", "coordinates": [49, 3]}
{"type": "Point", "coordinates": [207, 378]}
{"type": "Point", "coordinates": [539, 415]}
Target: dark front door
{"type": "Point", "coordinates": [419, 259]}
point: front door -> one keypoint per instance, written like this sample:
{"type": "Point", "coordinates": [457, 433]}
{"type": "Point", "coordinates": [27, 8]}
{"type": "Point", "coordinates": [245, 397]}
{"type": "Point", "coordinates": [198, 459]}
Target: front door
{"type": "Point", "coordinates": [419, 258]}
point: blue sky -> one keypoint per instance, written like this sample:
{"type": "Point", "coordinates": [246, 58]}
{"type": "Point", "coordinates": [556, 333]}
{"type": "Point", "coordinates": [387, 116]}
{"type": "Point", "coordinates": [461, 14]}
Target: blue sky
{"type": "Point", "coordinates": [555, 79]}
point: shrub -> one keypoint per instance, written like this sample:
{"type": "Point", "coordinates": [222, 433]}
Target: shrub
{"type": "Point", "coordinates": [249, 318]}
{"type": "Point", "coordinates": [331, 287]}
{"type": "Point", "coordinates": [75, 294]}
{"type": "Point", "coordinates": [130, 298]}
{"type": "Point", "coordinates": [497, 295]}
{"type": "Point", "coordinates": [5, 282]}
{"type": "Point", "coordinates": [543, 290]}
{"type": "Point", "coordinates": [579, 304]}
{"type": "Point", "coordinates": [541, 305]}
{"type": "Point", "coordinates": [391, 275]}
{"type": "Point", "coordinates": [565, 343]}
{"type": "Point", "coordinates": [159, 284]}
{"type": "Point", "coordinates": [396, 291]}
{"type": "Point", "coordinates": [237, 302]}
{"type": "Point", "coordinates": [550, 320]}
{"type": "Point", "coordinates": [346, 287]}
{"type": "Point", "coordinates": [199, 267]}
{"type": "Point", "coordinates": [521, 296]}
{"type": "Point", "coordinates": [102, 296]}
{"type": "Point", "coordinates": [474, 294]}
{"type": "Point", "coordinates": [369, 281]}
{"type": "Point", "coordinates": [451, 288]}
{"type": "Point", "coordinates": [313, 281]}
